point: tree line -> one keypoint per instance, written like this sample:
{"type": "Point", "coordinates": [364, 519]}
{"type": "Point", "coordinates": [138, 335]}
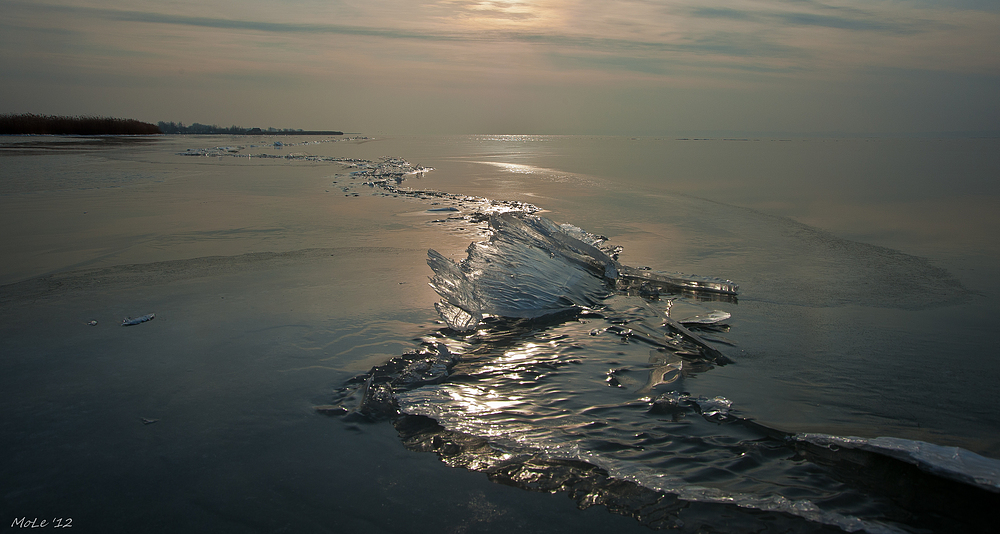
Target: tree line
{"type": "Point", "coordinates": [203, 129]}
{"type": "Point", "coordinates": [198, 128]}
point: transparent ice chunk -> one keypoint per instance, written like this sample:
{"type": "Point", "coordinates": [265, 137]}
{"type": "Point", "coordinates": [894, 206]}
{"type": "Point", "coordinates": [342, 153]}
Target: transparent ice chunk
{"type": "Point", "coordinates": [457, 318]}
{"type": "Point", "coordinates": [529, 268]}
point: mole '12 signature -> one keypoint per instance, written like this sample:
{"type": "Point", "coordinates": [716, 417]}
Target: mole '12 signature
{"type": "Point", "coordinates": [37, 522]}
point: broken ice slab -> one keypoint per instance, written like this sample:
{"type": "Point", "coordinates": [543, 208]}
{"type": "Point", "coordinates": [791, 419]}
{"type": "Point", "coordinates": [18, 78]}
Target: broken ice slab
{"type": "Point", "coordinates": [529, 268]}
{"type": "Point", "coordinates": [954, 463]}
{"type": "Point", "coordinates": [633, 278]}
{"type": "Point", "coordinates": [665, 368]}
{"type": "Point", "coordinates": [532, 267]}
{"type": "Point", "coordinates": [714, 353]}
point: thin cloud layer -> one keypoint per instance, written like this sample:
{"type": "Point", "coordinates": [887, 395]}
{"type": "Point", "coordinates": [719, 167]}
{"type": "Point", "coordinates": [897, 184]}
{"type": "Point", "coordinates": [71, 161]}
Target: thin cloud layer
{"type": "Point", "coordinates": [447, 65]}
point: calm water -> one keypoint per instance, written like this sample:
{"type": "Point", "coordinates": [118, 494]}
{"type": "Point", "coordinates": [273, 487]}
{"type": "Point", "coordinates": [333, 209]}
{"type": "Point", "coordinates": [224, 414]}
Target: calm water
{"type": "Point", "coordinates": [868, 274]}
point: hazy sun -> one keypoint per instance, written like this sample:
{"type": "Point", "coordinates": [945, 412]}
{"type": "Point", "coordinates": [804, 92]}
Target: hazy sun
{"type": "Point", "coordinates": [498, 14]}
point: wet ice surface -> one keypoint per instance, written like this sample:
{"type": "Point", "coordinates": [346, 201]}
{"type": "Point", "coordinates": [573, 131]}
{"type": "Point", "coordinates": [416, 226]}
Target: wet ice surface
{"type": "Point", "coordinates": [562, 370]}
{"type": "Point", "coordinates": [644, 398]}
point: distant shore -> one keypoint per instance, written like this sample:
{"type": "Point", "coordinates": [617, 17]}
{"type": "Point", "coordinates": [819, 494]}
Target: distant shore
{"type": "Point", "coordinates": [30, 124]}
{"type": "Point", "coordinates": [205, 129]}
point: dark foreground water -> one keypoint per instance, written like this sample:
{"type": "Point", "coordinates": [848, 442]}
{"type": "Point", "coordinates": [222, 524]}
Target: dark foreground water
{"type": "Point", "coordinates": [868, 283]}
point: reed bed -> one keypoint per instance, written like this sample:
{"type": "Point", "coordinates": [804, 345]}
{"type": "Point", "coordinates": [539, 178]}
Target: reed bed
{"type": "Point", "coordinates": [31, 124]}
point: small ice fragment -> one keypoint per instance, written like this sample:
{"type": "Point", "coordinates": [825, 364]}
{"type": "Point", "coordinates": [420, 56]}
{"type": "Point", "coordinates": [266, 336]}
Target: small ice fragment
{"type": "Point", "coordinates": [715, 407]}
{"type": "Point", "coordinates": [630, 276]}
{"type": "Point", "coordinates": [665, 369]}
{"type": "Point", "coordinates": [713, 317]}
{"type": "Point", "coordinates": [330, 409]}
{"type": "Point", "coordinates": [129, 321]}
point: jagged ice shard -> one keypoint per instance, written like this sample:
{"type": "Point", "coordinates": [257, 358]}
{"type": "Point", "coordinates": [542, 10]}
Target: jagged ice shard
{"type": "Point", "coordinates": [531, 267]}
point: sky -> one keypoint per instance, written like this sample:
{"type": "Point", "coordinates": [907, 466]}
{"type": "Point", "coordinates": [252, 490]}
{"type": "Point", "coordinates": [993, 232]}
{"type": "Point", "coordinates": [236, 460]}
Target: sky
{"type": "Point", "coordinates": [618, 67]}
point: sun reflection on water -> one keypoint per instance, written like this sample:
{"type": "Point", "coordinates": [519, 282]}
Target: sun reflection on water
{"type": "Point", "coordinates": [481, 401]}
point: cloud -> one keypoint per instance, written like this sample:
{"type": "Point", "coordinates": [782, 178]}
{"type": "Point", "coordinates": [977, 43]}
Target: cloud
{"type": "Point", "coordinates": [759, 32]}
{"type": "Point", "coordinates": [255, 25]}
{"type": "Point", "coordinates": [860, 22]}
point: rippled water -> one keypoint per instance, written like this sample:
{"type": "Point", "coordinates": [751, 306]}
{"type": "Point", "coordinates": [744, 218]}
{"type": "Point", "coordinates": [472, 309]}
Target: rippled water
{"type": "Point", "coordinates": [867, 286]}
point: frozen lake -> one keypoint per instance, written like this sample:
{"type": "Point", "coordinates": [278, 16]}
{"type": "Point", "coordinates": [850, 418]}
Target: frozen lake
{"type": "Point", "coordinates": [868, 287]}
